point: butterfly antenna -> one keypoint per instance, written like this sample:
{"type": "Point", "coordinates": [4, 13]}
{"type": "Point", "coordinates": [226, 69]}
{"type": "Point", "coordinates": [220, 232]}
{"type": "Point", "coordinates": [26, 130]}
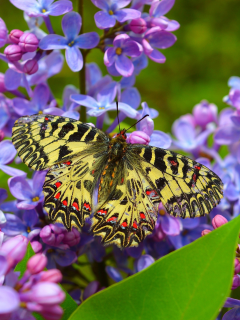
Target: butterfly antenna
{"type": "Point", "coordinates": [147, 115]}
{"type": "Point", "coordinates": [118, 117]}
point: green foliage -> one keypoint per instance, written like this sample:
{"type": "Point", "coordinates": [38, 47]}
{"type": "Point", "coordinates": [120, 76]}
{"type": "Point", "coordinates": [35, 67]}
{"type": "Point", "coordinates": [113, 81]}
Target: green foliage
{"type": "Point", "coordinates": [191, 284]}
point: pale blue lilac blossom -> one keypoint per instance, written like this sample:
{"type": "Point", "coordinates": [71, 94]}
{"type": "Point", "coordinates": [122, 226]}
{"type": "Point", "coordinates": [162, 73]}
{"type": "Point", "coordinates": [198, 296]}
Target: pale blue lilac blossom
{"type": "Point", "coordinates": [112, 11]}
{"type": "Point", "coordinates": [205, 113]}
{"type": "Point", "coordinates": [95, 82]}
{"type": "Point", "coordinates": [105, 102]}
{"type": "Point", "coordinates": [43, 7]}
{"type": "Point", "coordinates": [71, 25]}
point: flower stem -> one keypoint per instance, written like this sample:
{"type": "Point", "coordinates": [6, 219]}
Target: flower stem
{"type": "Point", "coordinates": [82, 72]}
{"type": "Point", "coordinates": [48, 24]}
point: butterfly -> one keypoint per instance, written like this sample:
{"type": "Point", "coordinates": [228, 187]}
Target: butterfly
{"type": "Point", "coordinates": [132, 179]}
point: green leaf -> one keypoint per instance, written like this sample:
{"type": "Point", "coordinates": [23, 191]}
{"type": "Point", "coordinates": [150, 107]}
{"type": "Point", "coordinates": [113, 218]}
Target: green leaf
{"type": "Point", "coordinates": [189, 284]}
{"type": "Point", "coordinates": [22, 265]}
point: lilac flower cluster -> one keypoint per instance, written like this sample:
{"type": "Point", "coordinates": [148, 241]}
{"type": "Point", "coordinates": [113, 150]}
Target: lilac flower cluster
{"type": "Point", "coordinates": [36, 291]}
{"type": "Point", "coordinates": [130, 36]}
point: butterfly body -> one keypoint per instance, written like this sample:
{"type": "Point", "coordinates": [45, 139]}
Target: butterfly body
{"type": "Point", "coordinates": [132, 179]}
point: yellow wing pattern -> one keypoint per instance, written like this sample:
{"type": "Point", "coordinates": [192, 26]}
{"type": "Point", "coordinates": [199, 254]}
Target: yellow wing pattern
{"type": "Point", "coordinates": [186, 187]}
{"type": "Point", "coordinates": [44, 140]}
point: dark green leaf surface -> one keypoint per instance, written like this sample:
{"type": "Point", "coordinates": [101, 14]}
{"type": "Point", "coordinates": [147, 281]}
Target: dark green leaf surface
{"type": "Point", "coordinates": [68, 305]}
{"type": "Point", "coordinates": [189, 284]}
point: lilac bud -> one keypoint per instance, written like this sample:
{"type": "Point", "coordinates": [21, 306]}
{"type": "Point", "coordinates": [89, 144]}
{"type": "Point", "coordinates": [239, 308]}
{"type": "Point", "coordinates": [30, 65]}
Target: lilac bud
{"type": "Point", "coordinates": [54, 312]}
{"type": "Point", "coordinates": [37, 246]}
{"type": "Point", "coordinates": [138, 25]}
{"type": "Point", "coordinates": [138, 137]}
{"type": "Point", "coordinates": [52, 235]}
{"type": "Point", "coordinates": [218, 221]}
{"type": "Point", "coordinates": [37, 263]}
{"type": "Point", "coordinates": [204, 113]}
{"type": "Point", "coordinates": [205, 231]}
{"type": "Point", "coordinates": [13, 52]}
{"type": "Point", "coordinates": [15, 35]}
{"type": "Point", "coordinates": [1, 135]}
{"type": "Point", "coordinates": [14, 249]}
{"type": "Point", "coordinates": [28, 42]}
{"type": "Point", "coordinates": [30, 67]}
{"type": "Point", "coordinates": [53, 275]}
{"type": "Point", "coordinates": [46, 293]}
{"type": "Point", "coordinates": [236, 282]}
{"type": "Point", "coordinates": [236, 266]}
{"type": "Point", "coordinates": [2, 84]}
{"type": "Point", "coordinates": [72, 238]}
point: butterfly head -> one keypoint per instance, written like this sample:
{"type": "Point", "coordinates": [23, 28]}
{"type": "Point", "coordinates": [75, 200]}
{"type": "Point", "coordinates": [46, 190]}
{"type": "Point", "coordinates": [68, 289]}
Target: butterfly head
{"type": "Point", "coordinates": [121, 134]}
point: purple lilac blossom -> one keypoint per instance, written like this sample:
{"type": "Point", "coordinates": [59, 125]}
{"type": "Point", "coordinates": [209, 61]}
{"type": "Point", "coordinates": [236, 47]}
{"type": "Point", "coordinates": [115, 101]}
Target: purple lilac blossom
{"type": "Point", "coordinates": [3, 33]}
{"type": "Point", "coordinates": [7, 154]}
{"type": "Point", "coordinates": [71, 25]}
{"type": "Point", "coordinates": [122, 46]}
{"type": "Point", "coordinates": [43, 7]}
{"type": "Point", "coordinates": [40, 98]}
{"type": "Point", "coordinates": [27, 191]}
{"type": "Point", "coordinates": [154, 39]}
{"type": "Point", "coordinates": [157, 138]}
{"type": "Point", "coordinates": [95, 82]}
{"type": "Point", "coordinates": [27, 226]}
{"type": "Point", "coordinates": [156, 15]}
{"type": "Point", "coordinates": [189, 139]}
{"type": "Point", "coordinates": [204, 113]}
{"type": "Point", "coordinates": [112, 11]}
{"type": "Point", "coordinates": [48, 66]}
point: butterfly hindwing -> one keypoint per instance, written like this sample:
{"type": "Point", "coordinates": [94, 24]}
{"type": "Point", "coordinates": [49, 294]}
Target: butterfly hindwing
{"type": "Point", "coordinates": [186, 187]}
{"type": "Point", "coordinates": [44, 140]}
{"type": "Point", "coordinates": [69, 186]}
{"type": "Point", "coordinates": [130, 211]}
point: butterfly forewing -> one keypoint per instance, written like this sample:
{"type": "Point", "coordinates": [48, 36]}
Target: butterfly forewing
{"type": "Point", "coordinates": [44, 140]}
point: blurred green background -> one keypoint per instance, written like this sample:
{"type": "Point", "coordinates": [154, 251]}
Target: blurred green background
{"type": "Point", "coordinates": [198, 65]}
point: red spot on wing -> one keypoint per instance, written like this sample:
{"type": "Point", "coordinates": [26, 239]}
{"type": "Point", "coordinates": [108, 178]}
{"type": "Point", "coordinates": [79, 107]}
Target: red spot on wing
{"type": "Point", "coordinates": [64, 202]}
{"type": "Point", "coordinates": [68, 163]}
{"type": "Point", "coordinates": [151, 193]}
{"type": "Point", "coordinates": [124, 224]}
{"type": "Point", "coordinates": [197, 167]}
{"type": "Point", "coordinates": [86, 206]}
{"type": "Point", "coordinates": [174, 163]}
{"type": "Point", "coordinates": [46, 118]}
{"type": "Point", "coordinates": [75, 205]}
{"type": "Point", "coordinates": [194, 177]}
{"type": "Point", "coordinates": [142, 215]}
{"type": "Point", "coordinates": [58, 184]}
{"type": "Point", "coordinates": [57, 195]}
{"type": "Point", "coordinates": [93, 171]}
{"type": "Point", "coordinates": [112, 219]}
{"type": "Point", "coordinates": [135, 226]}
{"type": "Point", "coordinates": [122, 180]}
{"type": "Point", "coordinates": [102, 212]}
